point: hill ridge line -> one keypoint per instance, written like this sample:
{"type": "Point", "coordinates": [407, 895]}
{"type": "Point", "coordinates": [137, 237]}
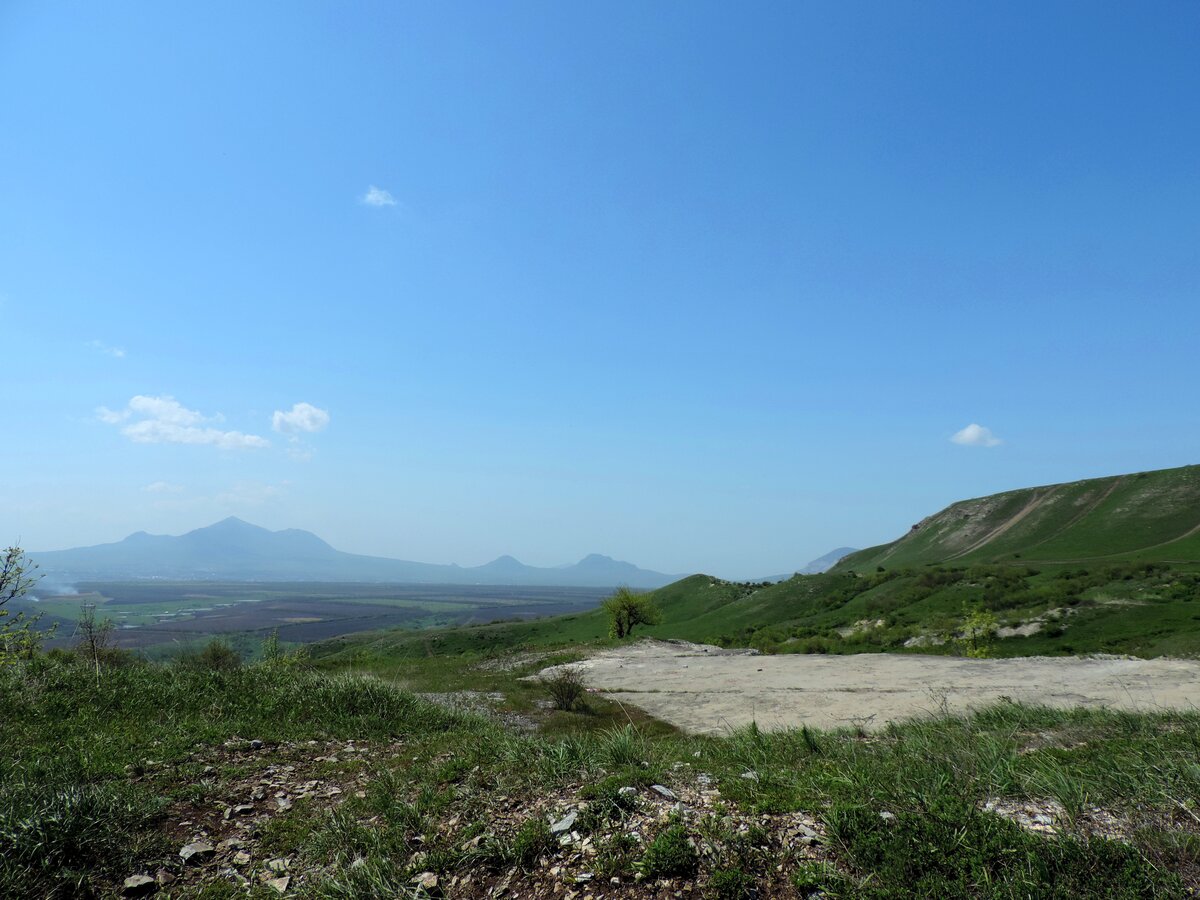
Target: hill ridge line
{"type": "Point", "coordinates": [1144, 515]}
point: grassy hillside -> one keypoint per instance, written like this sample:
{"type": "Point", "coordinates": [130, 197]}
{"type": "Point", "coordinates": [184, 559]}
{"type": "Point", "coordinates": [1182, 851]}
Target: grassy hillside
{"type": "Point", "coordinates": [1109, 565]}
{"type": "Point", "coordinates": [1145, 517]}
{"type": "Point", "coordinates": [1143, 609]}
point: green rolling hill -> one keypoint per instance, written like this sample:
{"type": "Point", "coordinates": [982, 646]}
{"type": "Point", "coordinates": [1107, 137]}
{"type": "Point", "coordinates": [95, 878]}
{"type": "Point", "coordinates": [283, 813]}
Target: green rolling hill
{"type": "Point", "coordinates": [1147, 516]}
{"type": "Point", "coordinates": [1103, 565]}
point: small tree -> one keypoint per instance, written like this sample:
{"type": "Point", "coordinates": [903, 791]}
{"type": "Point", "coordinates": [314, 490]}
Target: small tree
{"type": "Point", "coordinates": [95, 637]}
{"type": "Point", "coordinates": [626, 609]}
{"type": "Point", "coordinates": [978, 628]}
{"type": "Point", "coordinates": [19, 635]}
{"type": "Point", "coordinates": [275, 656]}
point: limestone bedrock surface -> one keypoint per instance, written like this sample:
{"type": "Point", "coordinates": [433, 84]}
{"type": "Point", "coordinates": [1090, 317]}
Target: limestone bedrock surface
{"type": "Point", "coordinates": [707, 690]}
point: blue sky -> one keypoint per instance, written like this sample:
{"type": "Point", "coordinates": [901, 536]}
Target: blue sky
{"type": "Point", "coordinates": [698, 285]}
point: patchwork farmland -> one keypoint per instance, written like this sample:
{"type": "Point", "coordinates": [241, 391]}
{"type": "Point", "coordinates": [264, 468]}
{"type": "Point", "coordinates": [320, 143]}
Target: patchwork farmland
{"type": "Point", "coordinates": [159, 618]}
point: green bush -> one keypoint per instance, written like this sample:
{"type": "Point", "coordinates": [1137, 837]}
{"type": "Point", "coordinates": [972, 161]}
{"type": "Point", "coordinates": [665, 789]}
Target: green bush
{"type": "Point", "coordinates": [566, 689]}
{"type": "Point", "coordinates": [532, 841]}
{"type": "Point", "coordinates": [670, 854]}
{"type": "Point", "coordinates": [217, 656]}
{"type": "Point", "coordinates": [731, 884]}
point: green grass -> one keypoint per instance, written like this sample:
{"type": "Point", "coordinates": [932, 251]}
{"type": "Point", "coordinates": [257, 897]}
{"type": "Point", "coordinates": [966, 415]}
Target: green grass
{"type": "Point", "coordinates": [951, 850]}
{"type": "Point", "coordinates": [1143, 609]}
{"type": "Point", "coordinates": [1143, 517]}
{"type": "Point", "coordinates": [73, 817]}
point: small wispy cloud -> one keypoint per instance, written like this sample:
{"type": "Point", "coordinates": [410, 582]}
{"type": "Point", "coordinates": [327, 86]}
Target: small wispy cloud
{"type": "Point", "coordinates": [115, 352]}
{"type": "Point", "coordinates": [110, 416]}
{"type": "Point", "coordinates": [164, 420]}
{"type": "Point", "coordinates": [975, 435]}
{"type": "Point", "coordinates": [301, 417]}
{"type": "Point", "coordinates": [163, 487]}
{"type": "Point", "coordinates": [377, 196]}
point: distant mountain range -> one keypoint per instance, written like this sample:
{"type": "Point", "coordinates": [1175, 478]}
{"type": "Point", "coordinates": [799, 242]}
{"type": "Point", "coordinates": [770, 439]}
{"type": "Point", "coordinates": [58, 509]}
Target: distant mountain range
{"type": "Point", "coordinates": [233, 550]}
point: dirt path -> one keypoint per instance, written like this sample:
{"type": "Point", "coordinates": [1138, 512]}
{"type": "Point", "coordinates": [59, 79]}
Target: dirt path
{"type": "Point", "coordinates": [1038, 500]}
{"type": "Point", "coordinates": [707, 690]}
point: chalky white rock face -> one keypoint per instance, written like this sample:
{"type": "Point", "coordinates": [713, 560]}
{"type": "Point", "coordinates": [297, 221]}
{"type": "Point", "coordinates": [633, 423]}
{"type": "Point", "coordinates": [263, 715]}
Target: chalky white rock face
{"type": "Point", "coordinates": [706, 690]}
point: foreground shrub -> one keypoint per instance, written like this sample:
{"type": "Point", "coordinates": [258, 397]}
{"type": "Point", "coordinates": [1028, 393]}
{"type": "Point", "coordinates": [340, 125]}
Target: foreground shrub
{"type": "Point", "coordinates": [731, 884]}
{"type": "Point", "coordinates": [671, 854]}
{"type": "Point", "coordinates": [566, 689]}
{"type": "Point", "coordinates": [217, 656]}
{"type": "Point", "coordinates": [532, 841]}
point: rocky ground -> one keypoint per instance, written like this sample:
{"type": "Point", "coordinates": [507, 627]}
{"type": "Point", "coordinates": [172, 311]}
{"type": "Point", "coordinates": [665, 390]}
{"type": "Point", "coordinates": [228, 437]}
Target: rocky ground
{"type": "Point", "coordinates": [247, 802]}
{"type": "Point", "coordinates": [239, 791]}
{"type": "Point", "coordinates": [248, 794]}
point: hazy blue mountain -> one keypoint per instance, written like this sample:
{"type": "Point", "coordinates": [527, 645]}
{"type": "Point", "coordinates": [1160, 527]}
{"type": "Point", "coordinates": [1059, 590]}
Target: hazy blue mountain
{"type": "Point", "coordinates": [828, 561]}
{"type": "Point", "coordinates": [818, 565]}
{"type": "Point", "coordinates": [234, 550]}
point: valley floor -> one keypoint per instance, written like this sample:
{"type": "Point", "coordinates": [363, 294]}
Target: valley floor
{"type": "Point", "coordinates": [706, 690]}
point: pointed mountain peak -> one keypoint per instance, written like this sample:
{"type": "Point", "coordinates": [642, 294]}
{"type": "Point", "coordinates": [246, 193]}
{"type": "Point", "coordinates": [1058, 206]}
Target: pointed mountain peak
{"type": "Point", "coordinates": [506, 563]}
{"type": "Point", "coordinates": [232, 522]}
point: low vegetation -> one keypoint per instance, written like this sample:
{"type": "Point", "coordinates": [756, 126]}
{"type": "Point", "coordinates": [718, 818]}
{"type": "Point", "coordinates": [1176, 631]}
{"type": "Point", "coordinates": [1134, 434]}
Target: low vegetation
{"type": "Point", "coordinates": [439, 762]}
{"type": "Point", "coordinates": [1141, 609]}
{"type": "Point", "coordinates": [566, 689]}
{"type": "Point", "coordinates": [349, 786]}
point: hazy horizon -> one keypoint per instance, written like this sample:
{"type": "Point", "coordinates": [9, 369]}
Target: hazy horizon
{"type": "Point", "coordinates": [34, 553]}
{"type": "Point", "coordinates": [696, 287]}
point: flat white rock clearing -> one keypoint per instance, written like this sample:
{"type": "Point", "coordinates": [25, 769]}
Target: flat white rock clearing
{"type": "Point", "coordinates": [707, 690]}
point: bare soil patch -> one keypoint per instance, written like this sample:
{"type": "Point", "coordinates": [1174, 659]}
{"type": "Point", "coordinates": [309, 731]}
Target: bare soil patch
{"type": "Point", "coordinates": [707, 690]}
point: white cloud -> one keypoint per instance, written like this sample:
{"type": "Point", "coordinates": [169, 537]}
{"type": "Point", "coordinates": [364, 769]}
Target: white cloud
{"type": "Point", "coordinates": [976, 436]}
{"type": "Point", "coordinates": [163, 487]}
{"type": "Point", "coordinates": [167, 410]}
{"type": "Point", "coordinates": [164, 420]}
{"type": "Point", "coordinates": [378, 197]}
{"type": "Point", "coordinates": [302, 417]}
{"type": "Point", "coordinates": [117, 352]}
{"type": "Point", "coordinates": [109, 417]}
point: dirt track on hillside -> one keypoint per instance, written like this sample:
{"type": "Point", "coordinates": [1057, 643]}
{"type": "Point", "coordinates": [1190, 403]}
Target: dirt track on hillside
{"type": "Point", "coordinates": [707, 690]}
